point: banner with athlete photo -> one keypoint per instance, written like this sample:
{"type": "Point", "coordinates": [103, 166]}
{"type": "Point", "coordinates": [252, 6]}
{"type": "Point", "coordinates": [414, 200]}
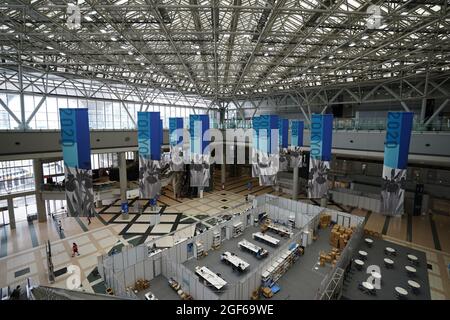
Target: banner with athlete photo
{"type": "Point", "coordinates": [200, 171]}
{"type": "Point", "coordinates": [265, 153]}
{"type": "Point", "coordinates": [295, 154]}
{"type": "Point", "coordinates": [176, 144]}
{"type": "Point", "coordinates": [396, 149]}
{"type": "Point", "coordinates": [320, 154]}
{"type": "Point", "coordinates": [149, 147]}
{"type": "Point", "coordinates": [76, 148]}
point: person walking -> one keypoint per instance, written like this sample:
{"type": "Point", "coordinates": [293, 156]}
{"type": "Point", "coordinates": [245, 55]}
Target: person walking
{"type": "Point", "coordinates": [75, 250]}
{"type": "Point", "coordinates": [89, 219]}
{"type": "Point", "coordinates": [60, 228]}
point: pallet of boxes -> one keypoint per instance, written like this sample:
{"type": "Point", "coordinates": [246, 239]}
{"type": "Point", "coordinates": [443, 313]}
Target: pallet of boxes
{"type": "Point", "coordinates": [325, 220]}
{"type": "Point", "coordinates": [141, 284]}
{"type": "Point", "coordinates": [339, 236]}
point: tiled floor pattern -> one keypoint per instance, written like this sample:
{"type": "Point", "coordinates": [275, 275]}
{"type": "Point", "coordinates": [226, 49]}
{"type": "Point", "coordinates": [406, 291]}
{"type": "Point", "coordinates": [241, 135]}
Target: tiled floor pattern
{"type": "Point", "coordinates": [24, 261]}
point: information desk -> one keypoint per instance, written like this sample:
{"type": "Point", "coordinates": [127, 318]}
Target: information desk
{"type": "Point", "coordinates": [279, 229]}
{"type": "Point", "coordinates": [210, 277]}
{"type": "Point", "coordinates": [266, 238]}
{"type": "Point", "coordinates": [234, 260]}
{"type": "Point", "coordinates": [253, 248]}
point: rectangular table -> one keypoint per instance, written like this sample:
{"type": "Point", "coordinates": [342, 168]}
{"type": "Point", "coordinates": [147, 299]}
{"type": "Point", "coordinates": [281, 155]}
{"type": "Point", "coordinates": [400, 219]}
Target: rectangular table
{"type": "Point", "coordinates": [266, 238]}
{"type": "Point", "coordinates": [279, 229]}
{"type": "Point", "coordinates": [253, 248]}
{"type": "Point", "coordinates": [234, 260]}
{"type": "Point", "coordinates": [212, 278]}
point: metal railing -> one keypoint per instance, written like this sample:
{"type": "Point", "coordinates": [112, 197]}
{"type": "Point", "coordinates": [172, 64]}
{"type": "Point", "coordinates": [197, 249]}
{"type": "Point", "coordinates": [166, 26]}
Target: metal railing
{"type": "Point", "coordinates": [355, 124]}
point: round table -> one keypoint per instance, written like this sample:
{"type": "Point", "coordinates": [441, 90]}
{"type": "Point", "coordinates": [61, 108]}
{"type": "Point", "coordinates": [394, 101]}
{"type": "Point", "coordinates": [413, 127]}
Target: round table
{"type": "Point", "coordinates": [368, 241]}
{"type": "Point", "coordinates": [359, 263]}
{"type": "Point", "coordinates": [389, 250]}
{"type": "Point", "coordinates": [362, 254]}
{"type": "Point", "coordinates": [388, 262]}
{"type": "Point", "coordinates": [412, 258]}
{"type": "Point", "coordinates": [368, 285]}
{"type": "Point", "coordinates": [376, 275]}
{"type": "Point", "coordinates": [401, 292]}
{"type": "Point", "coordinates": [410, 270]}
{"type": "Point", "coordinates": [413, 284]}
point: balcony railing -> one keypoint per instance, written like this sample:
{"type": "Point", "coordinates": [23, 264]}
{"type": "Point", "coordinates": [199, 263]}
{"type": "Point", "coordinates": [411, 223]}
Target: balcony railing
{"type": "Point", "coordinates": [354, 124]}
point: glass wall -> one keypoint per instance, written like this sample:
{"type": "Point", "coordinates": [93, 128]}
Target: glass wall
{"type": "Point", "coordinates": [16, 176]}
{"type": "Point", "coordinates": [4, 215]}
{"type": "Point", "coordinates": [24, 206]}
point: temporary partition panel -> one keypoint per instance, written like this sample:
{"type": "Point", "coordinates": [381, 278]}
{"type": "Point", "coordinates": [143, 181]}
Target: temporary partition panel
{"type": "Point", "coordinates": [267, 155]}
{"type": "Point", "coordinates": [320, 154]}
{"type": "Point", "coordinates": [76, 149]}
{"type": "Point", "coordinates": [396, 149]}
{"type": "Point", "coordinates": [198, 127]}
{"type": "Point", "coordinates": [176, 143]}
{"type": "Point", "coordinates": [149, 146]}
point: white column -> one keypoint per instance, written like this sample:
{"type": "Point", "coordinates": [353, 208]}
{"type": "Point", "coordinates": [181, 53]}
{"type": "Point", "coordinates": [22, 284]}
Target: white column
{"type": "Point", "coordinates": [12, 218]}
{"type": "Point", "coordinates": [295, 184]}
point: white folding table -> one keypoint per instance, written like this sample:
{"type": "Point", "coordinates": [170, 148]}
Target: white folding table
{"type": "Point", "coordinates": [279, 229]}
{"type": "Point", "coordinates": [266, 238]}
{"type": "Point", "coordinates": [234, 260]}
{"type": "Point", "coordinates": [253, 248]}
{"type": "Point", "coordinates": [212, 278]}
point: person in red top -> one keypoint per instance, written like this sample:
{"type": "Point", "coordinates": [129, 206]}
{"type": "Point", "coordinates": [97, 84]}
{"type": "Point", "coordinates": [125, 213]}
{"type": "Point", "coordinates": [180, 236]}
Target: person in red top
{"type": "Point", "coordinates": [74, 249]}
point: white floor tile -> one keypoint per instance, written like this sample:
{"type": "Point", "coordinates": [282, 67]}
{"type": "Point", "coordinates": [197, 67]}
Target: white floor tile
{"type": "Point", "coordinates": [138, 228]}
{"type": "Point", "coordinates": [107, 242]}
{"type": "Point", "coordinates": [168, 218]}
{"type": "Point", "coordinates": [161, 228]}
{"type": "Point", "coordinates": [88, 261]}
{"type": "Point", "coordinates": [86, 249]}
{"type": "Point", "coordinates": [102, 234]}
{"type": "Point", "coordinates": [21, 260]}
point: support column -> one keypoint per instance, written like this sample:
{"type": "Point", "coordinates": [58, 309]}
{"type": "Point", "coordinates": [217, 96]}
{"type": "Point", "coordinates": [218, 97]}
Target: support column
{"type": "Point", "coordinates": [295, 184]}
{"type": "Point", "coordinates": [223, 172]}
{"type": "Point", "coordinates": [123, 183]}
{"type": "Point", "coordinates": [424, 100]}
{"type": "Point", "coordinates": [38, 181]}
{"type": "Point", "coordinates": [12, 218]}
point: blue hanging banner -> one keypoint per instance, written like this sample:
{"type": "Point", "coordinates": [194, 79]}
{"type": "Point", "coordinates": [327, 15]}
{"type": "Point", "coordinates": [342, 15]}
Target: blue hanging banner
{"type": "Point", "coordinates": [265, 160]}
{"type": "Point", "coordinates": [199, 132]}
{"type": "Point", "coordinates": [297, 133]}
{"type": "Point", "coordinates": [149, 147]}
{"type": "Point", "coordinates": [320, 154]}
{"type": "Point", "coordinates": [396, 149]}
{"type": "Point", "coordinates": [76, 149]}
{"type": "Point", "coordinates": [174, 125]}
{"type": "Point", "coordinates": [283, 126]}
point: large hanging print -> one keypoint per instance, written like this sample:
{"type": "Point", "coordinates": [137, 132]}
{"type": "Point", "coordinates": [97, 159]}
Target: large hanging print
{"type": "Point", "coordinates": [149, 146]}
{"type": "Point", "coordinates": [320, 154]}
{"type": "Point", "coordinates": [200, 166]}
{"type": "Point", "coordinates": [76, 147]}
{"type": "Point", "coordinates": [396, 148]}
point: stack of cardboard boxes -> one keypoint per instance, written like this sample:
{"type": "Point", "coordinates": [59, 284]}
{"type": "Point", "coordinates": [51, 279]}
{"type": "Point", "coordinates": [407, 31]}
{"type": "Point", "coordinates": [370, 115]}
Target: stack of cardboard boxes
{"type": "Point", "coordinates": [141, 284]}
{"type": "Point", "coordinates": [330, 257]}
{"type": "Point", "coordinates": [340, 236]}
{"type": "Point", "coordinates": [325, 220]}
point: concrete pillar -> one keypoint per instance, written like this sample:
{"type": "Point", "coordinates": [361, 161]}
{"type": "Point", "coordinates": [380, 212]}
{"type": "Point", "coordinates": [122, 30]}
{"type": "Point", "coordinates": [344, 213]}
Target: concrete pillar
{"type": "Point", "coordinates": [38, 181]}
{"type": "Point", "coordinates": [12, 218]}
{"type": "Point", "coordinates": [123, 180]}
{"type": "Point", "coordinates": [295, 184]}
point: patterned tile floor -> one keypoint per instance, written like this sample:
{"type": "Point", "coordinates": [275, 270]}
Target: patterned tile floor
{"type": "Point", "coordinates": [25, 257]}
